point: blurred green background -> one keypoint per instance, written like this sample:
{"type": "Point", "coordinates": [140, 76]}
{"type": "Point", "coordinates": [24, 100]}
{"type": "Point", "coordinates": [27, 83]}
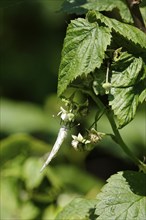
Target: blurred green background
{"type": "Point", "coordinates": [32, 34]}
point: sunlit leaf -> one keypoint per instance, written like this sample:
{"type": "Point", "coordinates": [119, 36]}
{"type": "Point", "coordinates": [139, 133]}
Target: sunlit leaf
{"type": "Point", "coordinates": [9, 200]}
{"type": "Point", "coordinates": [50, 212]}
{"type": "Point", "coordinates": [28, 211]}
{"type": "Point", "coordinates": [124, 104]}
{"type": "Point", "coordinates": [142, 96]}
{"type": "Point", "coordinates": [123, 197]}
{"type": "Point", "coordinates": [109, 5]}
{"type": "Point", "coordinates": [127, 31]}
{"type": "Point", "coordinates": [84, 50]}
{"type": "Point", "coordinates": [127, 85]}
{"type": "Point", "coordinates": [125, 70]}
{"type": "Point", "coordinates": [82, 6]}
{"type": "Point", "coordinates": [82, 209]}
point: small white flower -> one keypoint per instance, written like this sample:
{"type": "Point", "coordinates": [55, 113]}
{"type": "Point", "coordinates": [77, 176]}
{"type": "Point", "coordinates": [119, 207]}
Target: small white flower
{"type": "Point", "coordinates": [95, 136]}
{"type": "Point", "coordinates": [78, 141]}
{"type": "Point", "coordinates": [65, 115]}
{"type": "Point", "coordinates": [78, 138]}
{"type": "Point", "coordinates": [74, 143]}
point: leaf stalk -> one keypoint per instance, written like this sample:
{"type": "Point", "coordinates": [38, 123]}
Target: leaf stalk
{"type": "Point", "coordinates": [133, 6]}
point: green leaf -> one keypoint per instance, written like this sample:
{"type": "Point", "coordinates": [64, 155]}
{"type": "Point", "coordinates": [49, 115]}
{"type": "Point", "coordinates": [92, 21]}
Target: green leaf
{"type": "Point", "coordinates": [99, 79]}
{"type": "Point", "coordinates": [109, 5]}
{"type": "Point", "coordinates": [22, 117]}
{"type": "Point", "coordinates": [129, 32]}
{"type": "Point", "coordinates": [143, 10]}
{"type": "Point", "coordinates": [82, 209]}
{"type": "Point", "coordinates": [142, 96]}
{"type": "Point", "coordinates": [82, 6]}
{"type": "Point", "coordinates": [8, 198]}
{"type": "Point", "coordinates": [84, 50]}
{"type": "Point", "coordinates": [127, 85]}
{"type": "Point", "coordinates": [22, 144]}
{"type": "Point", "coordinates": [123, 197]}
{"type": "Point", "coordinates": [124, 104]}
{"type": "Point", "coordinates": [50, 212]}
{"type": "Point", "coordinates": [31, 173]}
{"type": "Point", "coordinates": [73, 6]}
{"type": "Point", "coordinates": [13, 205]}
{"type": "Point", "coordinates": [28, 211]}
{"type": "Point", "coordinates": [125, 70]}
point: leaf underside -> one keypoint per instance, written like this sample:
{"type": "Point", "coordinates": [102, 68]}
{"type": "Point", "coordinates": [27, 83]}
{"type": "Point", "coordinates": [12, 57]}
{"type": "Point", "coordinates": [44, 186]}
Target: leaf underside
{"type": "Point", "coordinates": [126, 87]}
{"type": "Point", "coordinates": [123, 197]}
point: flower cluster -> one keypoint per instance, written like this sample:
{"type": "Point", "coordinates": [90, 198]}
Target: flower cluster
{"type": "Point", "coordinates": [88, 142]}
{"type": "Point", "coordinates": [79, 142]}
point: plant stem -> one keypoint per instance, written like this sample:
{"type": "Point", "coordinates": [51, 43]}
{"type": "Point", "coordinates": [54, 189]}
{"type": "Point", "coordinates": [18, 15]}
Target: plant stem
{"type": "Point", "coordinates": [118, 137]}
{"type": "Point", "coordinates": [133, 6]}
{"type": "Point", "coordinates": [107, 73]}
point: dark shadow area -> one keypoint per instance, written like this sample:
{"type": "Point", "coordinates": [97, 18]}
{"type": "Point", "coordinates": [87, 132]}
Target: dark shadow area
{"type": "Point", "coordinates": [136, 181]}
{"type": "Point", "coordinates": [103, 165]}
{"type": "Point", "coordinates": [32, 38]}
{"type": "Point", "coordinates": [92, 215]}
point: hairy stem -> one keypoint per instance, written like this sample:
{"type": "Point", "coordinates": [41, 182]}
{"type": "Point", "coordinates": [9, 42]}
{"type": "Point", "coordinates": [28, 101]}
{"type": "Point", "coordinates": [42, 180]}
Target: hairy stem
{"type": "Point", "coordinates": [133, 6]}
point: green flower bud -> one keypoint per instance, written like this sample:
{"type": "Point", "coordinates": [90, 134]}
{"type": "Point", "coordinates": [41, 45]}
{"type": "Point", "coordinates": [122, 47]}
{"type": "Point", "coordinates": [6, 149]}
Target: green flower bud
{"type": "Point", "coordinates": [107, 87]}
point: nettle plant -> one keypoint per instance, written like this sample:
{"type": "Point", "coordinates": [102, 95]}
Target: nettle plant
{"type": "Point", "coordinates": [104, 57]}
